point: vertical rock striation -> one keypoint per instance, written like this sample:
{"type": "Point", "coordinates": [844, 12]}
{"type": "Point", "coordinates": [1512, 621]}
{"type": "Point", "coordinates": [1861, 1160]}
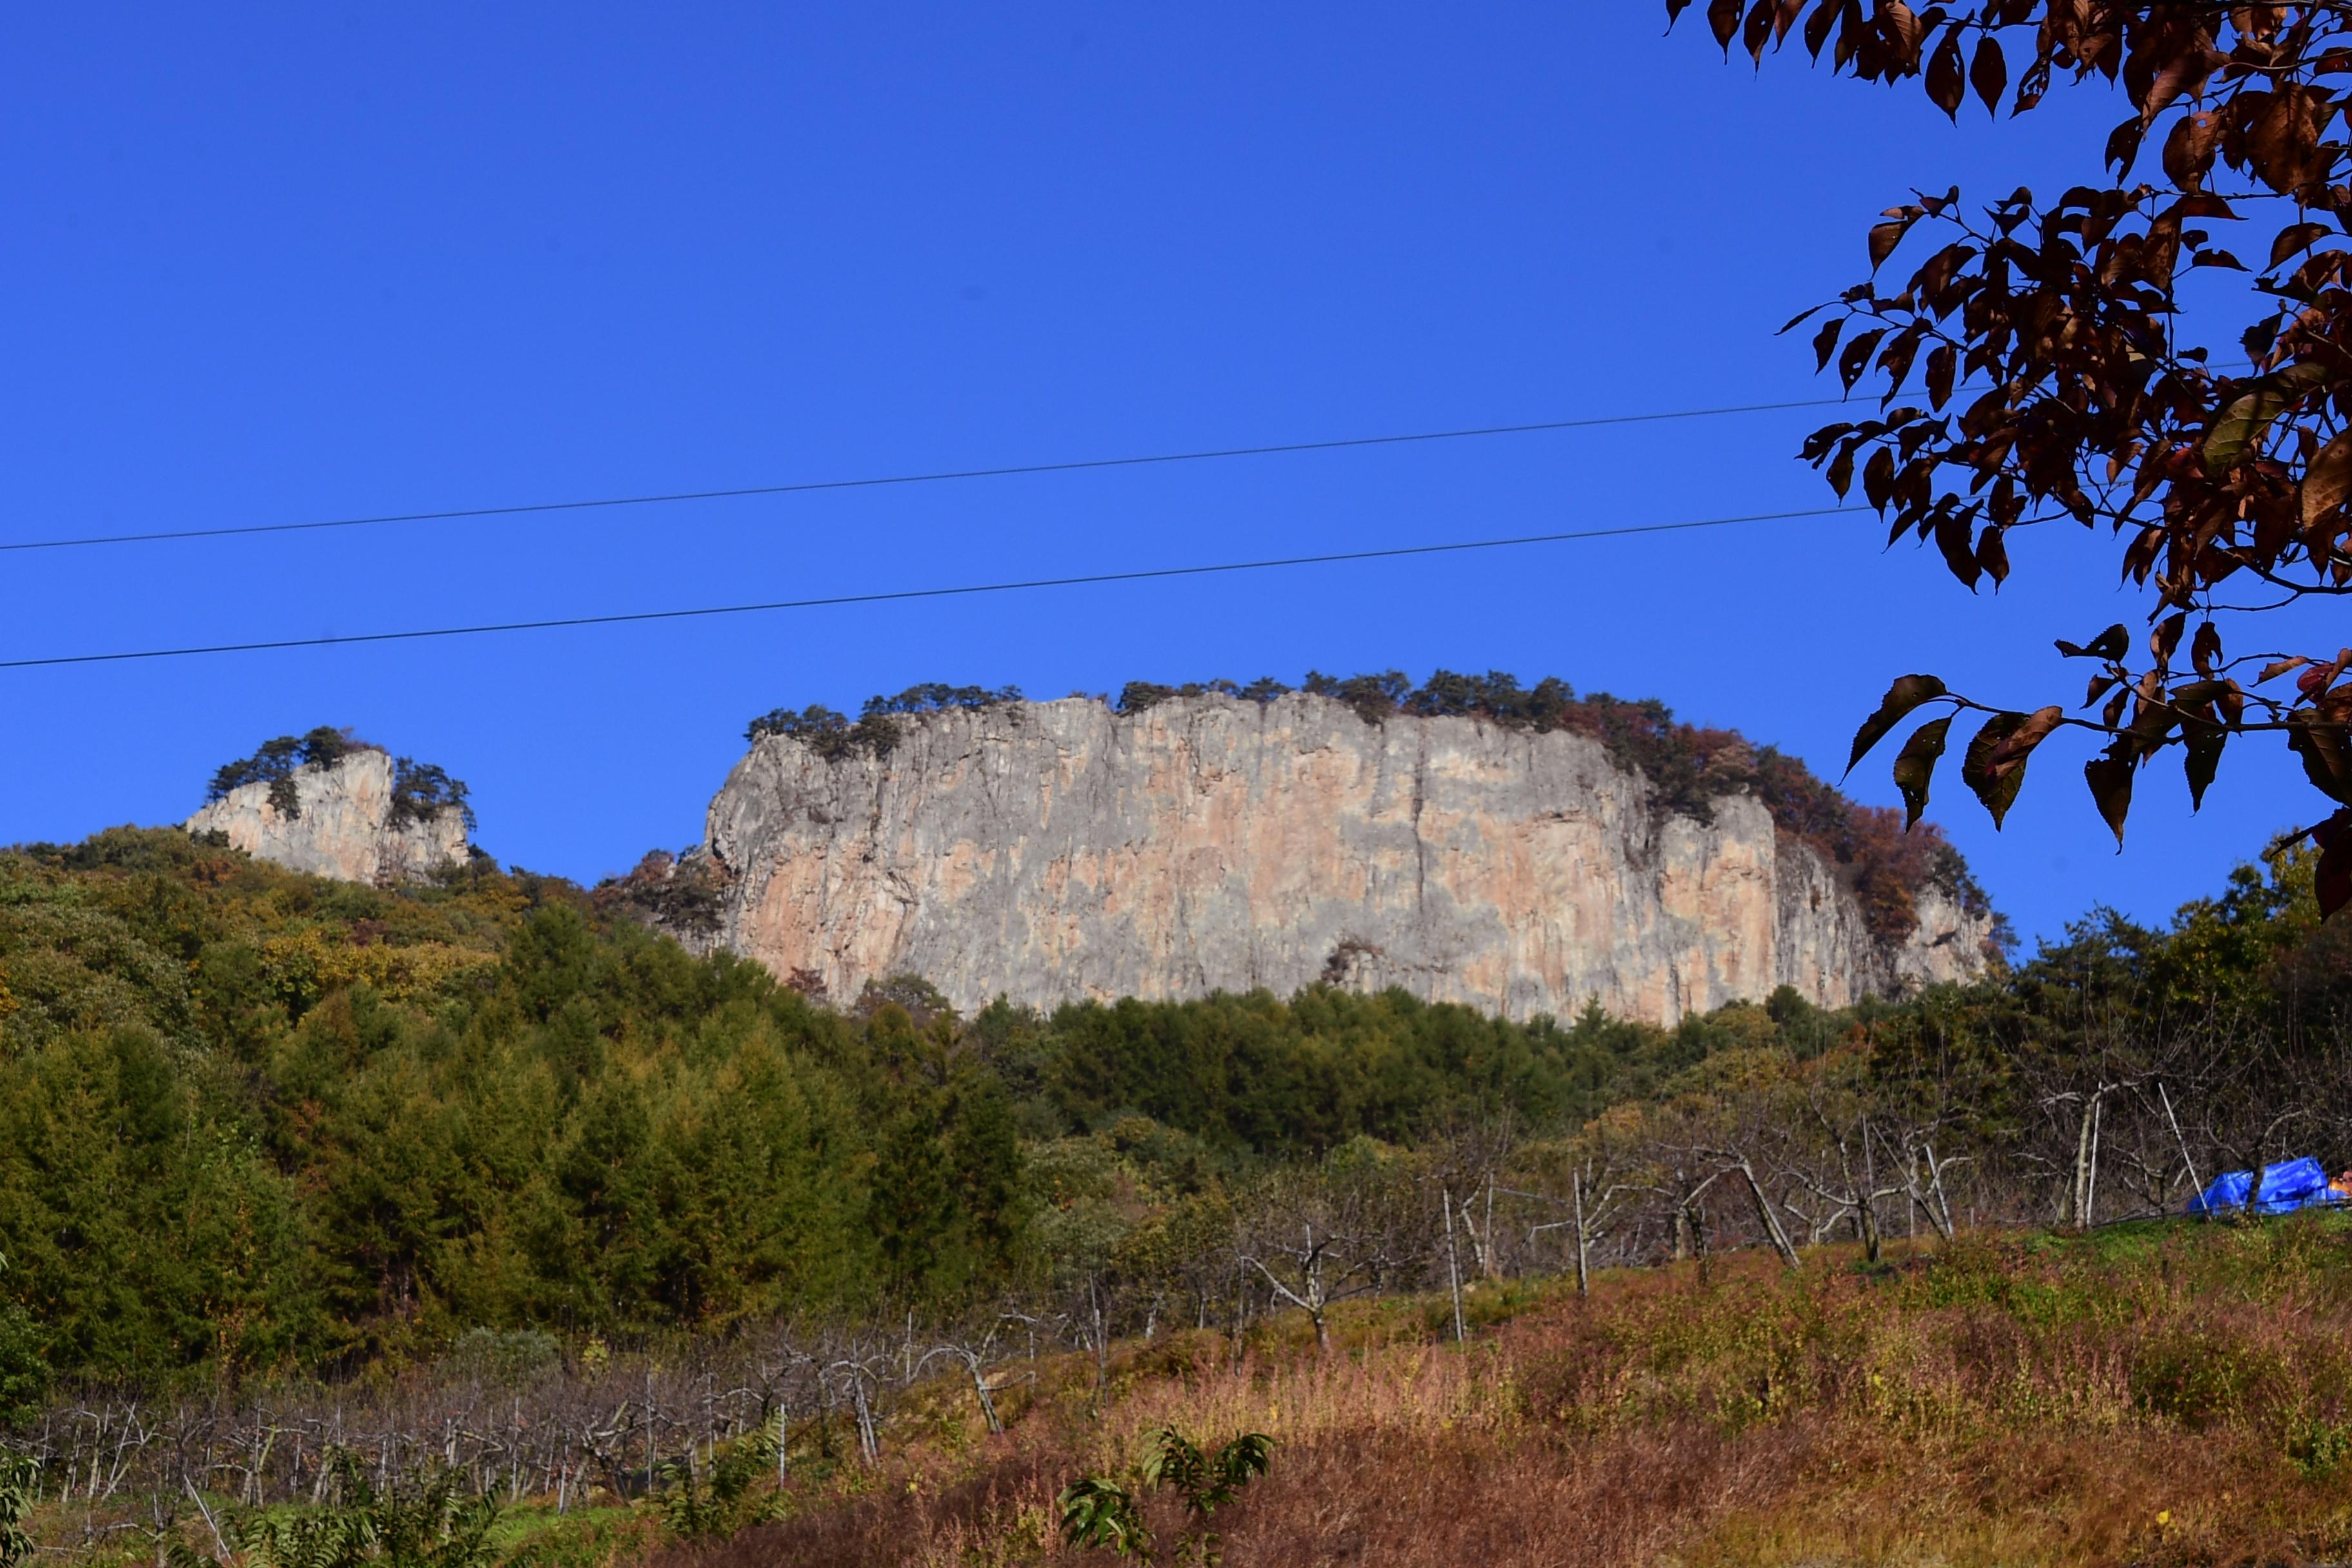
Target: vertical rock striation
{"type": "Point", "coordinates": [345, 826]}
{"type": "Point", "coordinates": [1055, 851]}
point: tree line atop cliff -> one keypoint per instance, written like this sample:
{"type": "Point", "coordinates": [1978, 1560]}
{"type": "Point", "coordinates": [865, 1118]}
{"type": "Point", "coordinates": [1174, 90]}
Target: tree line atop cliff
{"type": "Point", "coordinates": [1688, 767]}
{"type": "Point", "coordinates": [420, 791]}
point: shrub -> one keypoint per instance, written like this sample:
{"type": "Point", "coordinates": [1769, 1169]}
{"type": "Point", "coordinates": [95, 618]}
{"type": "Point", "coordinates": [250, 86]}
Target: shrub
{"type": "Point", "coordinates": [698, 1506]}
{"type": "Point", "coordinates": [1096, 1511]}
{"type": "Point", "coordinates": [15, 1502]}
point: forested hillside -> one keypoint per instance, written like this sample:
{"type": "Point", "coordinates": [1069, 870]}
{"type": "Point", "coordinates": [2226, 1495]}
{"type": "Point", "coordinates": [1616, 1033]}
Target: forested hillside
{"type": "Point", "coordinates": [372, 1120]}
{"type": "Point", "coordinates": [486, 1189]}
{"type": "Point", "coordinates": [378, 1118]}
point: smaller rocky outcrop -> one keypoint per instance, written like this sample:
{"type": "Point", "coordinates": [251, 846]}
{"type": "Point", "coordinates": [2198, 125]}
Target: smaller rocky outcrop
{"type": "Point", "coordinates": [682, 898]}
{"type": "Point", "coordinates": [337, 807]}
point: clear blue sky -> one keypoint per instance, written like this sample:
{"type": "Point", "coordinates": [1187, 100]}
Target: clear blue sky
{"type": "Point", "coordinates": [285, 262]}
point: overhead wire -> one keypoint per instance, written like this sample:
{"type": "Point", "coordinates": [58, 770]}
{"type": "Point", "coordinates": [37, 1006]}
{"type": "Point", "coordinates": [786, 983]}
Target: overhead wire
{"type": "Point", "coordinates": [810, 486]}
{"type": "Point", "coordinates": [902, 594]}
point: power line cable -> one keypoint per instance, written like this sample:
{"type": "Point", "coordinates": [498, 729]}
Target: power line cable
{"type": "Point", "coordinates": [875, 482]}
{"type": "Point", "coordinates": [895, 595]}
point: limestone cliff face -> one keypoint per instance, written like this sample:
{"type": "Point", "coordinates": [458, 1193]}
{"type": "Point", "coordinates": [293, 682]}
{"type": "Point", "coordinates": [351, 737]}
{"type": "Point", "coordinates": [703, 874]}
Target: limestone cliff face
{"type": "Point", "coordinates": [1053, 851]}
{"type": "Point", "coordinates": [344, 826]}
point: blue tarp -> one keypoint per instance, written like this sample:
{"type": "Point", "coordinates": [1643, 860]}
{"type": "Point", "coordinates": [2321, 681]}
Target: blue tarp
{"type": "Point", "coordinates": [2294, 1185]}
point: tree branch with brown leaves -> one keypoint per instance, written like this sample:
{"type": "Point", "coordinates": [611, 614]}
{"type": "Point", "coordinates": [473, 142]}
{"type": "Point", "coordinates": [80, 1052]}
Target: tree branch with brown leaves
{"type": "Point", "coordinates": [2054, 383]}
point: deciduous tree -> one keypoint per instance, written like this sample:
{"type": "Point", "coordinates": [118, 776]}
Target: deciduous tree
{"type": "Point", "coordinates": [2060, 376]}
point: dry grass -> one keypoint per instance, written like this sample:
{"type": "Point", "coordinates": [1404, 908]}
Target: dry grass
{"type": "Point", "coordinates": [2158, 1397]}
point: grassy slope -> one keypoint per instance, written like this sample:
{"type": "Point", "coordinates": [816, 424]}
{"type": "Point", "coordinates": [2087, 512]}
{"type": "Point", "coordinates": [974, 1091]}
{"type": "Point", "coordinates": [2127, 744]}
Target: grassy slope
{"type": "Point", "coordinates": [2150, 1394]}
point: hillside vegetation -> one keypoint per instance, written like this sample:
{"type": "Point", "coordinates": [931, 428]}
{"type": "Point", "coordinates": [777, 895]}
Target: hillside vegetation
{"type": "Point", "coordinates": [380, 1119]}
{"type": "Point", "coordinates": [487, 1182]}
{"type": "Point", "coordinates": [2157, 1394]}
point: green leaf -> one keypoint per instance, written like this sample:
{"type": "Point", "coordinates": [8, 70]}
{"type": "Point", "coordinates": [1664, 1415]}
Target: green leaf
{"type": "Point", "coordinates": [1907, 693]}
{"type": "Point", "coordinates": [1236, 1465]}
{"type": "Point", "coordinates": [1096, 1511]}
{"type": "Point", "coordinates": [2249, 414]}
{"type": "Point", "coordinates": [1915, 766]}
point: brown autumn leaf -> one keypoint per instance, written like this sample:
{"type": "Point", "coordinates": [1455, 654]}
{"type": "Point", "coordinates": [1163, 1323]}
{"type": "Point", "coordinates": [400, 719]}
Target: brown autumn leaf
{"type": "Point", "coordinates": [2329, 479]}
{"type": "Point", "coordinates": [1878, 478]}
{"type": "Point", "coordinates": [2122, 144]}
{"type": "Point", "coordinates": [1994, 765]}
{"type": "Point", "coordinates": [2332, 877]}
{"type": "Point", "coordinates": [2326, 755]}
{"type": "Point", "coordinates": [2295, 237]}
{"type": "Point", "coordinates": [1817, 25]}
{"type": "Point", "coordinates": [2111, 643]}
{"type": "Point", "coordinates": [2020, 743]}
{"type": "Point", "coordinates": [1947, 79]}
{"type": "Point", "coordinates": [1915, 766]}
{"type": "Point", "coordinates": [1943, 369]}
{"type": "Point", "coordinates": [2109, 775]}
{"type": "Point", "coordinates": [1907, 693]}
{"type": "Point", "coordinates": [2283, 134]}
{"type": "Point", "coordinates": [2067, 309]}
{"type": "Point", "coordinates": [2205, 648]}
{"type": "Point", "coordinates": [1989, 74]}
{"type": "Point", "coordinates": [2189, 150]}
{"type": "Point", "coordinates": [2279, 667]}
{"type": "Point", "coordinates": [1825, 341]}
{"type": "Point", "coordinates": [1952, 537]}
{"type": "Point", "coordinates": [1855, 357]}
{"type": "Point", "coordinates": [2204, 742]}
{"type": "Point", "coordinates": [1899, 23]}
{"type": "Point", "coordinates": [1992, 553]}
{"type": "Point", "coordinates": [2231, 704]}
{"type": "Point", "coordinates": [1885, 237]}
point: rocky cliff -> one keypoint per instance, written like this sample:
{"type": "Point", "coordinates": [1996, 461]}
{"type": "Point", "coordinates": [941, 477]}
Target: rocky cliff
{"type": "Point", "coordinates": [1053, 851]}
{"type": "Point", "coordinates": [346, 822]}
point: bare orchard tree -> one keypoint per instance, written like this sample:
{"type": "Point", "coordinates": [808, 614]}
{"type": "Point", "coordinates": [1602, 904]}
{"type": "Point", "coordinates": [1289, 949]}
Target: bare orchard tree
{"type": "Point", "coordinates": [1468, 1161]}
{"type": "Point", "coordinates": [1837, 1149]}
{"type": "Point", "coordinates": [1924, 1174]}
{"type": "Point", "coordinates": [1351, 1227]}
{"type": "Point", "coordinates": [1746, 1124]}
{"type": "Point", "coordinates": [1699, 1153]}
{"type": "Point", "coordinates": [1587, 1185]}
{"type": "Point", "coordinates": [977, 1350]}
